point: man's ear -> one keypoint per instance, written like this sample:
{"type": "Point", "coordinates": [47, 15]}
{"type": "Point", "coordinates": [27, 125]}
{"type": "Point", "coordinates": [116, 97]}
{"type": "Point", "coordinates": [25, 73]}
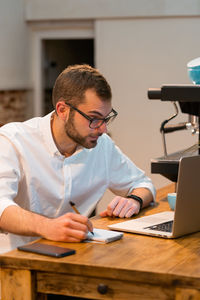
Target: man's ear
{"type": "Point", "coordinates": [62, 110]}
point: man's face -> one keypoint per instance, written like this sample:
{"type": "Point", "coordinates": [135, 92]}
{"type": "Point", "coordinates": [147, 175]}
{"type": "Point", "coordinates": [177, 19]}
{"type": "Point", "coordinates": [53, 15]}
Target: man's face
{"type": "Point", "coordinates": [77, 126]}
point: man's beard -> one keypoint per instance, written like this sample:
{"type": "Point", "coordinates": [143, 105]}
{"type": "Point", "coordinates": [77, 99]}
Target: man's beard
{"type": "Point", "coordinates": [77, 137]}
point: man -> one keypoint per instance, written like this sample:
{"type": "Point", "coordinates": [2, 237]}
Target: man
{"type": "Point", "coordinates": [66, 156]}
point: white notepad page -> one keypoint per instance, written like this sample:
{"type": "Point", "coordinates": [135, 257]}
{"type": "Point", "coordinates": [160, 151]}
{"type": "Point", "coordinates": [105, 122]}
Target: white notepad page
{"type": "Point", "coordinates": [103, 236]}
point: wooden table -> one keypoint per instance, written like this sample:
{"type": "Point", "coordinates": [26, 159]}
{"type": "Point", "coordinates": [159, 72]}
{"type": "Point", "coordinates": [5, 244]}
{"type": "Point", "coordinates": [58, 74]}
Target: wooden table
{"type": "Point", "coordinates": [136, 267]}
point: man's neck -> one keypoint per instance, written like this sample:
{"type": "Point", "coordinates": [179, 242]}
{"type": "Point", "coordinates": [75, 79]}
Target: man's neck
{"type": "Point", "coordinates": [64, 144]}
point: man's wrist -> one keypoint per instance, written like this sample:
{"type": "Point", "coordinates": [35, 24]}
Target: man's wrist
{"type": "Point", "coordinates": [42, 225]}
{"type": "Point", "coordinates": [138, 199]}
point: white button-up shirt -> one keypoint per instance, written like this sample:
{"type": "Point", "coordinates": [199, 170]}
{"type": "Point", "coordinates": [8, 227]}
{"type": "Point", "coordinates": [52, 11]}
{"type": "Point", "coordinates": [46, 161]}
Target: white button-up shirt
{"type": "Point", "coordinates": [38, 178]}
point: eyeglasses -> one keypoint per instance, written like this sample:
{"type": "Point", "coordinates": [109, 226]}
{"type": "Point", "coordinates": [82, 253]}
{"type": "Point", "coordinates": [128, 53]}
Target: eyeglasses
{"type": "Point", "coordinates": [95, 122]}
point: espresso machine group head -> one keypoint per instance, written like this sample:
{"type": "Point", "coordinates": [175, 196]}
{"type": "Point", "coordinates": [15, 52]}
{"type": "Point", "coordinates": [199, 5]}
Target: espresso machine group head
{"type": "Point", "coordinates": [187, 97]}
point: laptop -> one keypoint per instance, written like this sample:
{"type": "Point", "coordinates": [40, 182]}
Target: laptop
{"type": "Point", "coordinates": [185, 219]}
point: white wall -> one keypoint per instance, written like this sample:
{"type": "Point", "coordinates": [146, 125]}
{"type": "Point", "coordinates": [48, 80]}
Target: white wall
{"type": "Point", "coordinates": [14, 46]}
{"type": "Point", "coordinates": [96, 9]}
{"type": "Point", "coordinates": [136, 55]}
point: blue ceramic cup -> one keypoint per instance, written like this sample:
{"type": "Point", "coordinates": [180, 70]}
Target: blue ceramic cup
{"type": "Point", "coordinates": [171, 197]}
{"type": "Point", "coordinates": [193, 68]}
{"type": "Point", "coordinates": [194, 75]}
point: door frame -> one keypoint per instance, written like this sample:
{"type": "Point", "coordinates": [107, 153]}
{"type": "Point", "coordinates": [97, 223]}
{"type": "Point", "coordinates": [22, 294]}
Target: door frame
{"type": "Point", "coordinates": [45, 31]}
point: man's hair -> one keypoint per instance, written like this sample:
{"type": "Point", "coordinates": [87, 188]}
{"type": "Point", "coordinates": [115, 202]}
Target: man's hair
{"type": "Point", "coordinates": [75, 80]}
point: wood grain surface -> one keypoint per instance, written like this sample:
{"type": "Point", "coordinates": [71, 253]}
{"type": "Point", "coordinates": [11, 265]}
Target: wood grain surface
{"type": "Point", "coordinates": [135, 267]}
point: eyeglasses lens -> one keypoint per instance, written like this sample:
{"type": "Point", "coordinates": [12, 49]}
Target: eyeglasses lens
{"type": "Point", "coordinates": [96, 123]}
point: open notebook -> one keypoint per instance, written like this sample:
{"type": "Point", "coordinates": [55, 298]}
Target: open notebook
{"type": "Point", "coordinates": [103, 236]}
{"type": "Point", "coordinates": [185, 219]}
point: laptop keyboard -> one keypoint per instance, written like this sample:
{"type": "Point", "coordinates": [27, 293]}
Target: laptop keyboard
{"type": "Point", "coordinates": [166, 226]}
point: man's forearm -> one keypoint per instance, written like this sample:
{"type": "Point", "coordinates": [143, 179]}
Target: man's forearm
{"type": "Point", "coordinates": [19, 221]}
{"type": "Point", "coordinates": [70, 227]}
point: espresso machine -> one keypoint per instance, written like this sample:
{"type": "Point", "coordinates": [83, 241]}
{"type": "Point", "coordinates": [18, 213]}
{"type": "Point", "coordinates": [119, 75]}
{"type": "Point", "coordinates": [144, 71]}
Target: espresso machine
{"type": "Point", "coordinates": [187, 99]}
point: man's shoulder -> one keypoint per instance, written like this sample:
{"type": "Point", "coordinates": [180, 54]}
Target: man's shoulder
{"type": "Point", "coordinates": [105, 140]}
{"type": "Point", "coordinates": [14, 129]}
{"type": "Point", "coordinates": [11, 129]}
{"type": "Point", "coordinates": [105, 143]}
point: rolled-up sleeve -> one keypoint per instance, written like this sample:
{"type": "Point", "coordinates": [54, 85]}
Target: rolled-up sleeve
{"type": "Point", "coordinates": [9, 173]}
{"type": "Point", "coordinates": [125, 175]}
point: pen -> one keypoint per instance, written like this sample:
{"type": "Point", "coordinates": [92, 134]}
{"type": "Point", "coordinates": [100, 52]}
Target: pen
{"type": "Point", "coordinates": [76, 211]}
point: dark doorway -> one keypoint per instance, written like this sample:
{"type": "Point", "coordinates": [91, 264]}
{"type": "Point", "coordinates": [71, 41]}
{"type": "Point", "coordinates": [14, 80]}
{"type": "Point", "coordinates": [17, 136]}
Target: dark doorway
{"type": "Point", "coordinates": [58, 54]}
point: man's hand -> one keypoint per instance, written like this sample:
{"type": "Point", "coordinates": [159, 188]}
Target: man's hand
{"type": "Point", "coordinates": [121, 207]}
{"type": "Point", "coordinates": [70, 227]}
{"type": "Point", "coordinates": [127, 207]}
